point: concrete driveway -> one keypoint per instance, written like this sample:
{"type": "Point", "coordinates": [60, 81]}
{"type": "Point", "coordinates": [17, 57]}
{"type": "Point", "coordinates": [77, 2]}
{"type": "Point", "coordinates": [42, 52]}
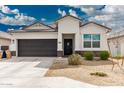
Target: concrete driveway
{"type": "Point", "coordinates": [30, 71]}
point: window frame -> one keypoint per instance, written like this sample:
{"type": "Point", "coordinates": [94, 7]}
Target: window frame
{"type": "Point", "coordinates": [87, 42]}
{"type": "Point", "coordinates": [92, 41]}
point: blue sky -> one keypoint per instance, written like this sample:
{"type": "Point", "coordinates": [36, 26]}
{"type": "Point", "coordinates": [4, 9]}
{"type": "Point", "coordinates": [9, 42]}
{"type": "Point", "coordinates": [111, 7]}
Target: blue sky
{"type": "Point", "coordinates": [17, 16]}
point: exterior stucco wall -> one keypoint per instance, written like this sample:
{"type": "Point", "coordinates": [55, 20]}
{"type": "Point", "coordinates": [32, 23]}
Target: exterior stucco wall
{"type": "Point", "coordinates": [35, 35]}
{"type": "Point", "coordinates": [122, 49]}
{"type": "Point", "coordinates": [113, 49]}
{"type": "Point", "coordinates": [117, 46]}
{"type": "Point", "coordinates": [5, 42]}
{"type": "Point", "coordinates": [68, 25]}
{"type": "Point", "coordinates": [95, 29]}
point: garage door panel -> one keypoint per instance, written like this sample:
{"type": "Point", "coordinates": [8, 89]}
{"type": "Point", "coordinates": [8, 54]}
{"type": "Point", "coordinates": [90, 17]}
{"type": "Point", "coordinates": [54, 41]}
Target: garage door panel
{"type": "Point", "coordinates": [37, 47]}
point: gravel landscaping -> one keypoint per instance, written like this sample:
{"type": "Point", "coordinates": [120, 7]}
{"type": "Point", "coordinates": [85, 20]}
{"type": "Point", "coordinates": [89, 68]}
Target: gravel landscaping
{"type": "Point", "coordinates": [82, 72]}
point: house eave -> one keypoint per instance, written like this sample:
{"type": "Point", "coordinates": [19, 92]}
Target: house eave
{"type": "Point", "coordinates": [35, 23]}
{"type": "Point", "coordinates": [109, 29]}
{"type": "Point", "coordinates": [24, 31]}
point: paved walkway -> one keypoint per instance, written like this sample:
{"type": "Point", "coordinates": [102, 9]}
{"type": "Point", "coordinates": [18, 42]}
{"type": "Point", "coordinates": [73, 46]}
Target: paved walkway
{"type": "Point", "coordinates": [29, 72]}
{"type": "Point", "coordinates": [44, 82]}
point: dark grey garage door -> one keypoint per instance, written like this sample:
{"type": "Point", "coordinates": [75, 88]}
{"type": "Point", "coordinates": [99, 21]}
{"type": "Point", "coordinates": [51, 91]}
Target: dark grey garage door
{"type": "Point", "coordinates": [37, 47]}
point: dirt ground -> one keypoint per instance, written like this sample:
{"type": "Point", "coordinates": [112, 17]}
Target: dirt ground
{"type": "Point", "coordinates": [82, 72]}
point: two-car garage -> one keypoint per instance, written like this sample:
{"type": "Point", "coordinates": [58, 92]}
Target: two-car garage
{"type": "Point", "coordinates": [37, 47]}
{"type": "Point", "coordinates": [35, 40]}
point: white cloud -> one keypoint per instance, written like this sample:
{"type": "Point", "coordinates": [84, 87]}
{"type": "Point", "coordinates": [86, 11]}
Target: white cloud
{"type": "Point", "coordinates": [19, 19]}
{"type": "Point", "coordinates": [15, 11]}
{"type": "Point", "coordinates": [1, 15]}
{"type": "Point", "coordinates": [88, 10]}
{"type": "Point", "coordinates": [70, 11]}
{"type": "Point", "coordinates": [20, 28]}
{"type": "Point", "coordinates": [10, 29]}
{"type": "Point", "coordinates": [101, 18]}
{"type": "Point", "coordinates": [61, 12]}
{"type": "Point", "coordinates": [43, 19]}
{"type": "Point", "coordinates": [110, 15]}
{"type": "Point", "coordinates": [7, 10]}
{"type": "Point", "coordinates": [73, 13]}
{"type": "Point", "coordinates": [110, 9]}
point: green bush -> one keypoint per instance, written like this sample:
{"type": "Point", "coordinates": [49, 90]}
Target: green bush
{"type": "Point", "coordinates": [118, 56]}
{"type": "Point", "coordinates": [88, 55]}
{"type": "Point", "coordinates": [101, 74]}
{"type": "Point", "coordinates": [74, 59]}
{"type": "Point", "coordinates": [104, 55]}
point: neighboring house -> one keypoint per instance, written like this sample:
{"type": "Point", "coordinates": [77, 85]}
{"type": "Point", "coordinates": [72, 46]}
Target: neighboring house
{"type": "Point", "coordinates": [5, 40]}
{"type": "Point", "coordinates": [116, 43]}
{"type": "Point", "coordinates": [66, 36]}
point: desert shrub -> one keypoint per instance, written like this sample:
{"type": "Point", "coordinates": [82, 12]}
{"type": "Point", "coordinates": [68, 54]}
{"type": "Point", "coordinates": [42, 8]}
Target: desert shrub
{"type": "Point", "coordinates": [88, 55]}
{"type": "Point", "coordinates": [104, 55]}
{"type": "Point", "coordinates": [118, 56]}
{"type": "Point", "coordinates": [74, 59]}
{"type": "Point", "coordinates": [101, 74]}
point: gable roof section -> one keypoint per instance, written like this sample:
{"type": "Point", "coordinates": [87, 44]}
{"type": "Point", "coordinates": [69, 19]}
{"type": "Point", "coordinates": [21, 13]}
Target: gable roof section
{"type": "Point", "coordinates": [68, 16]}
{"type": "Point", "coordinates": [46, 28]}
{"type": "Point", "coordinates": [53, 25]}
{"type": "Point", "coordinates": [96, 24]}
{"type": "Point", "coordinates": [49, 27]}
{"type": "Point", "coordinates": [116, 35]}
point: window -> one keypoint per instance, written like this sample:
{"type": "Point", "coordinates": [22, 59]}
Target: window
{"type": "Point", "coordinates": [96, 44]}
{"type": "Point", "coordinates": [87, 44]}
{"type": "Point", "coordinates": [91, 40]}
{"type": "Point", "coordinates": [96, 37]}
{"type": "Point", "coordinates": [87, 37]}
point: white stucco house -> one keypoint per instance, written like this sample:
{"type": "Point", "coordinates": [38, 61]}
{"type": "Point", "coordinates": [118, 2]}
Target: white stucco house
{"type": "Point", "coordinates": [116, 43]}
{"type": "Point", "coordinates": [5, 40]}
{"type": "Point", "coordinates": [66, 36]}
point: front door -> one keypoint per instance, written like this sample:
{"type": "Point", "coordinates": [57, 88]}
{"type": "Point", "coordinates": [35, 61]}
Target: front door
{"type": "Point", "coordinates": [67, 46]}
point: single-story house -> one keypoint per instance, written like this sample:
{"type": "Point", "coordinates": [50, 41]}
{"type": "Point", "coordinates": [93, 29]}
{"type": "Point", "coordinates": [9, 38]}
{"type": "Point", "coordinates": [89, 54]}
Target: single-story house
{"type": "Point", "coordinates": [5, 40]}
{"type": "Point", "coordinates": [116, 43]}
{"type": "Point", "coordinates": [66, 36]}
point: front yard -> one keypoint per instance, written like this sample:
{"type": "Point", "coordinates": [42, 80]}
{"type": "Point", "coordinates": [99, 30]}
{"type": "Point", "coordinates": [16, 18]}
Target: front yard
{"type": "Point", "coordinates": [82, 72]}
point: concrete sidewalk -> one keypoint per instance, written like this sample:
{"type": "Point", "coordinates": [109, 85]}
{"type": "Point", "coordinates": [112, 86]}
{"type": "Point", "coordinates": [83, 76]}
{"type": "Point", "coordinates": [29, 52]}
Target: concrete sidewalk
{"type": "Point", "coordinates": [44, 82]}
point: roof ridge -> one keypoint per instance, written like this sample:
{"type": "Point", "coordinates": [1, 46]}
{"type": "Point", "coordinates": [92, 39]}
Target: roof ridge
{"type": "Point", "coordinates": [67, 16]}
